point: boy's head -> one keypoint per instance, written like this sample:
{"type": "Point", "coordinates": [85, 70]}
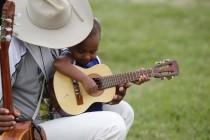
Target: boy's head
{"type": "Point", "coordinates": [86, 51]}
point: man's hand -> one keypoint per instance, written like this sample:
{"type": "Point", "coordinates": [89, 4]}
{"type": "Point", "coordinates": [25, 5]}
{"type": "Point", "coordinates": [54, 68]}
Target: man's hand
{"type": "Point", "coordinates": [120, 93]}
{"type": "Point", "coordinates": [121, 89]}
{"type": "Point", "coordinates": [7, 121]}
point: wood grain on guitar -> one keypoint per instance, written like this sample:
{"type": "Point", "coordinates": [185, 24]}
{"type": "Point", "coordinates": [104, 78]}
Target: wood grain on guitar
{"type": "Point", "coordinates": [65, 97]}
{"type": "Point", "coordinates": [23, 130]}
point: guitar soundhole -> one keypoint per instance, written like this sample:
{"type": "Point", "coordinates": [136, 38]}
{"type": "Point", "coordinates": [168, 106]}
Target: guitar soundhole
{"type": "Point", "coordinates": [96, 78]}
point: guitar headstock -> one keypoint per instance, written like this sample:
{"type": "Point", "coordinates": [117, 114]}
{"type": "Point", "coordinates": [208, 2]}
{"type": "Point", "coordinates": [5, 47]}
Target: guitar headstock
{"type": "Point", "coordinates": [166, 69]}
{"type": "Point", "coordinates": [7, 19]}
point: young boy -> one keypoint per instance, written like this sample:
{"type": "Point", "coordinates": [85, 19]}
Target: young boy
{"type": "Point", "coordinates": [84, 55]}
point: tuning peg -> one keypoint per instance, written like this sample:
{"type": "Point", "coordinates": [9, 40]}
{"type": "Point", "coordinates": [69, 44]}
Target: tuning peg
{"type": "Point", "coordinates": [157, 62]}
{"type": "Point", "coordinates": [163, 78]}
{"type": "Point", "coordinates": [8, 29]}
{"type": "Point", "coordinates": [167, 60]}
{"type": "Point", "coordinates": [8, 20]}
{"type": "Point", "coordinates": [8, 37]}
{"type": "Point", "coordinates": [164, 61]}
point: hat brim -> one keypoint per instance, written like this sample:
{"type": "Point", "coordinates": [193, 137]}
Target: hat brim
{"type": "Point", "coordinates": [69, 35]}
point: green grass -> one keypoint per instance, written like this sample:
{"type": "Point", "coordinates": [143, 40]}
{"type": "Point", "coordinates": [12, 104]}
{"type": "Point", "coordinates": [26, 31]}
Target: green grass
{"type": "Point", "coordinates": [136, 35]}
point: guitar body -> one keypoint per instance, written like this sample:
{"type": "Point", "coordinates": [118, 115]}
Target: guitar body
{"type": "Point", "coordinates": [64, 90]}
{"type": "Point", "coordinates": [22, 131]}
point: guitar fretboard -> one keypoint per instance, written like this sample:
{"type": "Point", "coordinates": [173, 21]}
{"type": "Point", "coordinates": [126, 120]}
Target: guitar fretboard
{"type": "Point", "coordinates": [117, 79]}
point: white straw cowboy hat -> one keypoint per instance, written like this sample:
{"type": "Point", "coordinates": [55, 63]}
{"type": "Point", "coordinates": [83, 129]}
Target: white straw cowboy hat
{"type": "Point", "coordinates": [53, 23]}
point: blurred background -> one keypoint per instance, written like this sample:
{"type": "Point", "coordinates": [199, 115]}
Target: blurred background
{"type": "Point", "coordinates": [137, 33]}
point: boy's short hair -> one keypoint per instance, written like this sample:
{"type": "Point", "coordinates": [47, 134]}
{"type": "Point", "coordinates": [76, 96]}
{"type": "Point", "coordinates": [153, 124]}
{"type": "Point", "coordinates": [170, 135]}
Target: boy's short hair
{"type": "Point", "coordinates": [96, 28]}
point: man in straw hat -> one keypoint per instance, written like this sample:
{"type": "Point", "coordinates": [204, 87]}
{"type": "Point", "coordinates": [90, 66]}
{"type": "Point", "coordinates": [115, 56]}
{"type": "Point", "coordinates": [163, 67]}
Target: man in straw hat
{"type": "Point", "coordinates": [44, 27]}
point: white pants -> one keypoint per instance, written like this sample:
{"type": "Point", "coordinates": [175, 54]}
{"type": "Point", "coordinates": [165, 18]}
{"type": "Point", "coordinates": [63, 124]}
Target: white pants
{"type": "Point", "coordinates": [111, 124]}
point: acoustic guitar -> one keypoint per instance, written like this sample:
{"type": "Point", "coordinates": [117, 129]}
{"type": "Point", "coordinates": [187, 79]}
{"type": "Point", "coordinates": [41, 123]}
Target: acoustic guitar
{"type": "Point", "coordinates": [69, 97]}
{"type": "Point", "coordinates": [23, 130]}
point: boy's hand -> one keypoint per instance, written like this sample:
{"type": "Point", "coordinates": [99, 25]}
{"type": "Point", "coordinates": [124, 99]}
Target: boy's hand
{"type": "Point", "coordinates": [89, 85]}
{"type": "Point", "coordinates": [7, 121]}
{"type": "Point", "coordinates": [141, 80]}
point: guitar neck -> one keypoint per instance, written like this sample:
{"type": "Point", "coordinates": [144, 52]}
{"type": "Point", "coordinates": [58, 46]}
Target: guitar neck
{"type": "Point", "coordinates": [117, 79]}
{"type": "Point", "coordinates": [7, 23]}
{"type": "Point", "coordinates": [6, 81]}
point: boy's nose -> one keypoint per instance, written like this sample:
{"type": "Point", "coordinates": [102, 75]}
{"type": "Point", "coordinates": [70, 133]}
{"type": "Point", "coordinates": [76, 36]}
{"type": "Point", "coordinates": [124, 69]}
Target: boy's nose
{"type": "Point", "coordinates": [86, 56]}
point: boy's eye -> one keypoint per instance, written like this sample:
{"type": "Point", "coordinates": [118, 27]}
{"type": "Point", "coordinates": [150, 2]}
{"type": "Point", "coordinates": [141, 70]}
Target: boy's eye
{"type": "Point", "coordinates": [93, 52]}
{"type": "Point", "coordinates": [80, 51]}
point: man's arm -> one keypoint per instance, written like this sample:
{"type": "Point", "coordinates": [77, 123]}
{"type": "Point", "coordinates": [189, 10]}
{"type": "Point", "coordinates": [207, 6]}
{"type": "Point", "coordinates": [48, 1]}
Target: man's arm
{"type": "Point", "coordinates": [121, 89]}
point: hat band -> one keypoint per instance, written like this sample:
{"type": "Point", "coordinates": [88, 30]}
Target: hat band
{"type": "Point", "coordinates": [49, 26]}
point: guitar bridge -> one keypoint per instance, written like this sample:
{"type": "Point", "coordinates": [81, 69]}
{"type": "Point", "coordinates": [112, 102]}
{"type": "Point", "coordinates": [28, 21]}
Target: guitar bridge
{"type": "Point", "coordinates": [77, 93]}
